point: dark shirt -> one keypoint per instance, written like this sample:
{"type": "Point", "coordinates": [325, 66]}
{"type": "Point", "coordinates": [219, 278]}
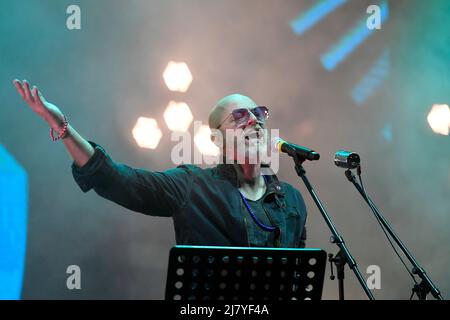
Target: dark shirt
{"type": "Point", "coordinates": [205, 204]}
{"type": "Point", "coordinates": [260, 238]}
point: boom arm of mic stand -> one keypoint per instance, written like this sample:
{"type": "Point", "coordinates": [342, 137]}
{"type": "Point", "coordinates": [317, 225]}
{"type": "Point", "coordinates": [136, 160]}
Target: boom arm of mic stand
{"type": "Point", "coordinates": [426, 285]}
{"type": "Point", "coordinates": [337, 239]}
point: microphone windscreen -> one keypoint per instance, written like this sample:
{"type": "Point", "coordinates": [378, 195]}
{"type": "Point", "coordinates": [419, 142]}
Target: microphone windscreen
{"type": "Point", "coordinates": [276, 144]}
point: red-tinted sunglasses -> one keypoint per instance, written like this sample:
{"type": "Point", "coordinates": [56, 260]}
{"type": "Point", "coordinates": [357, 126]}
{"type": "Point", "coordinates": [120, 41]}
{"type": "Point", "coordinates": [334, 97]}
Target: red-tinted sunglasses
{"type": "Point", "coordinates": [242, 115]}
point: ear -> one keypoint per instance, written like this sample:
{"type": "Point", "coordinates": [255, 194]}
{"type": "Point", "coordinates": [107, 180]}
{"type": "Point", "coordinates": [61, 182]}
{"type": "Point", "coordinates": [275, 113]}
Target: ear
{"type": "Point", "coordinates": [214, 140]}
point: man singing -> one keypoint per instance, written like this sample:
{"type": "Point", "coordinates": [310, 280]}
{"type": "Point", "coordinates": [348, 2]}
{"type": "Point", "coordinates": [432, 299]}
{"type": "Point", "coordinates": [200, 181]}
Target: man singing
{"type": "Point", "coordinates": [231, 204]}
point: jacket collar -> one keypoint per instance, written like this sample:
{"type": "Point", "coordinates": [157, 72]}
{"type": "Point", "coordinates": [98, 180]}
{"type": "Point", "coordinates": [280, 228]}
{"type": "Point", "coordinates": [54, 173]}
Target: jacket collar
{"type": "Point", "coordinates": [228, 172]}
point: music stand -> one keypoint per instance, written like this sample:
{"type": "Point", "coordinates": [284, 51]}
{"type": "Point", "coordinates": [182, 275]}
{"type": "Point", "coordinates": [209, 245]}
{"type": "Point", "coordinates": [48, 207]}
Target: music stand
{"type": "Point", "coordinates": [235, 273]}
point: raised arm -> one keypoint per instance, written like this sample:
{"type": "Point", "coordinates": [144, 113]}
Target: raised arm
{"type": "Point", "coordinates": [148, 192]}
{"type": "Point", "coordinates": [78, 148]}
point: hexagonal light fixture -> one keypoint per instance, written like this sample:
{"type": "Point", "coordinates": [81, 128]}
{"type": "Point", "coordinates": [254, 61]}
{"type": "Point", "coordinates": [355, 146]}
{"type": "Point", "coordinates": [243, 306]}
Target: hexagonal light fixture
{"type": "Point", "coordinates": [178, 116]}
{"type": "Point", "coordinates": [202, 140]}
{"type": "Point", "coordinates": [147, 133]}
{"type": "Point", "coordinates": [177, 76]}
{"type": "Point", "coordinates": [439, 119]}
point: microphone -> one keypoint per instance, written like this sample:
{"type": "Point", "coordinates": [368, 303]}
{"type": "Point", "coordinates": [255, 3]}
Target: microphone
{"type": "Point", "coordinates": [347, 159]}
{"type": "Point", "coordinates": [295, 150]}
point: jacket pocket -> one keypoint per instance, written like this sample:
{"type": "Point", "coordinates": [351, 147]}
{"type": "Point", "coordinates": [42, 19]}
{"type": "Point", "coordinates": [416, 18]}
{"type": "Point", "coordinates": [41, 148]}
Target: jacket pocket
{"type": "Point", "coordinates": [293, 227]}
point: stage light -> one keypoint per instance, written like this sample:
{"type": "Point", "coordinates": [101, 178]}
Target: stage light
{"type": "Point", "coordinates": [147, 133]}
{"type": "Point", "coordinates": [373, 79]}
{"type": "Point", "coordinates": [178, 116]}
{"type": "Point", "coordinates": [13, 225]}
{"type": "Point", "coordinates": [315, 14]}
{"type": "Point", "coordinates": [177, 76]}
{"type": "Point", "coordinates": [339, 51]}
{"type": "Point", "coordinates": [202, 140]}
{"type": "Point", "coordinates": [439, 119]}
{"type": "Point", "coordinates": [386, 132]}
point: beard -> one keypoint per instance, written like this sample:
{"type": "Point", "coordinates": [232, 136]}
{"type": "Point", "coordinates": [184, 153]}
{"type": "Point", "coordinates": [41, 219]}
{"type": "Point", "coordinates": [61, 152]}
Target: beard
{"type": "Point", "coordinates": [250, 147]}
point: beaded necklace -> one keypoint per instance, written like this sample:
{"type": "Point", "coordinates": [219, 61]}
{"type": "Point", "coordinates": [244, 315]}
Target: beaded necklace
{"type": "Point", "coordinates": [253, 215]}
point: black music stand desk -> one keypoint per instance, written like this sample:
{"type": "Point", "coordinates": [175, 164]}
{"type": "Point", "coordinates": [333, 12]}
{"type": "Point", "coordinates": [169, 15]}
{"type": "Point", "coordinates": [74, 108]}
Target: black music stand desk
{"type": "Point", "coordinates": [200, 273]}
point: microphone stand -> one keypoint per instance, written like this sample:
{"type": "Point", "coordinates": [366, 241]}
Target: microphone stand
{"type": "Point", "coordinates": [426, 285]}
{"type": "Point", "coordinates": [343, 256]}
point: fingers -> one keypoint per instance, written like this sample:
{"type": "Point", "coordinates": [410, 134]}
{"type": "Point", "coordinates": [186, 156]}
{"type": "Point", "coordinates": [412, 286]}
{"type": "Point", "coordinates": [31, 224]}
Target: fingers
{"type": "Point", "coordinates": [37, 96]}
{"type": "Point", "coordinates": [19, 88]}
{"type": "Point", "coordinates": [28, 96]}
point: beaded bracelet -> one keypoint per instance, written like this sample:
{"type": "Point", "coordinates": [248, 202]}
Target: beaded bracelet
{"type": "Point", "coordinates": [62, 134]}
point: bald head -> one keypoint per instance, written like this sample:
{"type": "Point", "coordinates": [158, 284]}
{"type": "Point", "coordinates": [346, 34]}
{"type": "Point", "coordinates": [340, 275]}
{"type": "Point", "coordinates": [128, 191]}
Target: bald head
{"type": "Point", "coordinates": [225, 105]}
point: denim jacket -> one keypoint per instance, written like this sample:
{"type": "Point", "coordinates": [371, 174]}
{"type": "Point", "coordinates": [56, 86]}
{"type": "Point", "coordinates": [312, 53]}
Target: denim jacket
{"type": "Point", "coordinates": [205, 204]}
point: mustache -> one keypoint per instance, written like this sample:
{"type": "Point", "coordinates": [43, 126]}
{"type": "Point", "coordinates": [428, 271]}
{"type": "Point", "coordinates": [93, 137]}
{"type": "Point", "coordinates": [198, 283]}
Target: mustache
{"type": "Point", "coordinates": [252, 134]}
{"type": "Point", "coordinates": [249, 132]}
{"type": "Point", "coordinates": [256, 129]}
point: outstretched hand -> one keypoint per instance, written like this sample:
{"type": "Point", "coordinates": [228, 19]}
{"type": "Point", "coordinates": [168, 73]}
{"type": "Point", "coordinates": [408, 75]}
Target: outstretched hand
{"type": "Point", "coordinates": [36, 101]}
